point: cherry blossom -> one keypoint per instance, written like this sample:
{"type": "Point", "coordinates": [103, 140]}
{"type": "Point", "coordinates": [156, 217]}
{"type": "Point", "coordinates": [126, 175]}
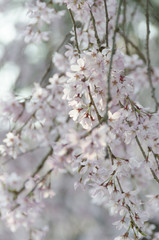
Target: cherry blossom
{"type": "Point", "coordinates": [89, 123]}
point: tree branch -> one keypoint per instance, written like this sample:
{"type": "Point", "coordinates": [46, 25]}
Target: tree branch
{"type": "Point", "coordinates": [140, 54]}
{"type": "Point", "coordinates": [145, 157]}
{"type": "Point", "coordinates": [75, 30]}
{"type": "Point", "coordinates": [39, 167]}
{"type": "Point", "coordinates": [111, 59]}
{"type": "Point", "coordinates": [124, 26]}
{"type": "Point", "coordinates": [93, 103]}
{"type": "Point", "coordinates": [95, 30]}
{"type": "Point", "coordinates": [106, 24]}
{"type": "Point", "coordinates": [148, 56]}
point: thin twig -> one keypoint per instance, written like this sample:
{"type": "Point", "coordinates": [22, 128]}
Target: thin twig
{"type": "Point", "coordinates": [148, 56]}
{"type": "Point", "coordinates": [141, 148]}
{"type": "Point", "coordinates": [103, 119]}
{"type": "Point", "coordinates": [130, 211]}
{"type": "Point", "coordinates": [21, 154]}
{"type": "Point", "coordinates": [154, 11]}
{"type": "Point", "coordinates": [154, 14]}
{"type": "Point", "coordinates": [75, 30]}
{"type": "Point", "coordinates": [62, 43]}
{"type": "Point", "coordinates": [140, 54]}
{"type": "Point", "coordinates": [39, 167]}
{"type": "Point", "coordinates": [154, 175]}
{"type": "Point", "coordinates": [132, 17]}
{"type": "Point", "coordinates": [49, 68]}
{"type": "Point", "coordinates": [124, 26]}
{"type": "Point", "coordinates": [111, 60]}
{"type": "Point", "coordinates": [110, 68]}
{"type": "Point", "coordinates": [133, 222]}
{"type": "Point", "coordinates": [106, 24]}
{"type": "Point", "coordinates": [93, 103]}
{"type": "Point", "coordinates": [155, 156]}
{"type": "Point", "coordinates": [95, 30]}
{"type": "Point", "coordinates": [145, 157]}
{"type": "Point", "coordinates": [111, 155]}
{"type": "Point", "coordinates": [41, 180]}
{"type": "Point", "coordinates": [121, 190]}
{"type": "Point", "coordinates": [29, 118]}
{"type": "Point", "coordinates": [46, 72]}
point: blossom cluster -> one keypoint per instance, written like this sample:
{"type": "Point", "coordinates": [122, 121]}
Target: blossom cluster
{"type": "Point", "coordinates": [89, 119]}
{"type": "Point", "coordinates": [40, 15]}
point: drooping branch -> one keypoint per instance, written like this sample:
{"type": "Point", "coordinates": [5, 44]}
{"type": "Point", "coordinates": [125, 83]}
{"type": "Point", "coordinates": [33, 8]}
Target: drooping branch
{"type": "Point", "coordinates": [111, 60]}
{"type": "Point", "coordinates": [95, 30]}
{"type": "Point", "coordinates": [39, 167]}
{"type": "Point", "coordinates": [106, 24]}
{"type": "Point", "coordinates": [75, 30]}
{"type": "Point", "coordinates": [49, 67]}
{"type": "Point", "coordinates": [93, 103]}
{"type": "Point", "coordinates": [140, 54]}
{"type": "Point", "coordinates": [124, 26]}
{"type": "Point", "coordinates": [141, 148]}
{"type": "Point", "coordinates": [148, 56]}
{"type": "Point", "coordinates": [145, 157]}
{"type": "Point", "coordinates": [41, 180]}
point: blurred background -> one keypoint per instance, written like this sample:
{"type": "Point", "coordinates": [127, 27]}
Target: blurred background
{"type": "Point", "coordinates": [72, 215]}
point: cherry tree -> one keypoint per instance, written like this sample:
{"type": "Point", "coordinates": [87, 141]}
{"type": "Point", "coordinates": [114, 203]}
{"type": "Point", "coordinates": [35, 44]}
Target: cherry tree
{"type": "Point", "coordinates": [89, 120]}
